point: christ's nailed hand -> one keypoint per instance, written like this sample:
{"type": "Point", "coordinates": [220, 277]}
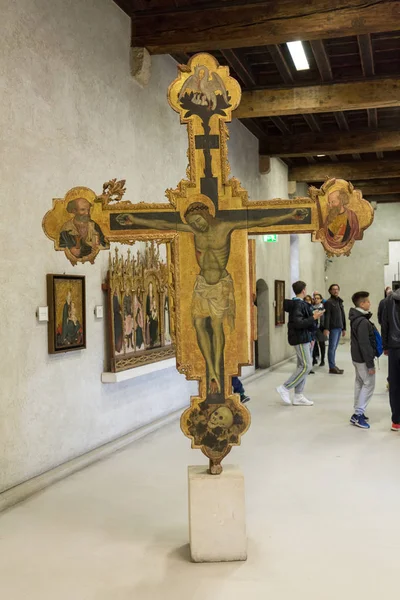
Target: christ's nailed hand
{"type": "Point", "coordinates": [299, 214]}
{"type": "Point", "coordinates": [125, 219]}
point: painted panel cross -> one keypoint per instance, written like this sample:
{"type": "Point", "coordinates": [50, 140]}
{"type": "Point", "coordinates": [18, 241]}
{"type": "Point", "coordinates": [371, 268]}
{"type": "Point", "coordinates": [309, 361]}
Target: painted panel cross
{"type": "Point", "coordinates": [208, 219]}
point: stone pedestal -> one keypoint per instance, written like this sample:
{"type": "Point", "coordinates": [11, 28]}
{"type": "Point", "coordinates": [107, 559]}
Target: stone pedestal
{"type": "Point", "coordinates": [217, 523]}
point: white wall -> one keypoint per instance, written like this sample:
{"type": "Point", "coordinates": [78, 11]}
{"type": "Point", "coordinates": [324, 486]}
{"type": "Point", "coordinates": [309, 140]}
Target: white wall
{"type": "Point", "coordinates": [70, 115]}
{"type": "Point", "coordinates": [364, 268]}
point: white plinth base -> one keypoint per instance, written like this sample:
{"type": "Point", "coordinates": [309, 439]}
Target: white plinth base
{"type": "Point", "coordinates": [217, 520]}
{"type": "Point", "coordinates": [108, 377]}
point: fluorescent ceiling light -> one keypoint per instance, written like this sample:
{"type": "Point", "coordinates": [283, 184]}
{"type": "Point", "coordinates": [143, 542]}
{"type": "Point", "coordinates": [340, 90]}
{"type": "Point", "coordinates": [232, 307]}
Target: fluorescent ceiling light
{"type": "Point", "coordinates": [320, 155]}
{"type": "Point", "coordinates": [299, 56]}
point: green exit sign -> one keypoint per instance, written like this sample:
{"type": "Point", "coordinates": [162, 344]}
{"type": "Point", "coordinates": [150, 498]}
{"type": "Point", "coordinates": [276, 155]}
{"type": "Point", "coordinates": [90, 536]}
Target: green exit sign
{"type": "Point", "coordinates": [272, 237]}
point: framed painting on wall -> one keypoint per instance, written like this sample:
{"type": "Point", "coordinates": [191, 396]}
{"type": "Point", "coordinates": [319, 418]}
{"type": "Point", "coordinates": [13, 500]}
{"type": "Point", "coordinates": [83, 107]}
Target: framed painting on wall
{"type": "Point", "coordinates": [140, 308]}
{"type": "Point", "coordinates": [67, 313]}
{"type": "Point", "coordinates": [279, 298]}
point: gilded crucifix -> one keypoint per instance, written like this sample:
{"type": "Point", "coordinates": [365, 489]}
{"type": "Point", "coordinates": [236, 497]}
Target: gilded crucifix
{"type": "Point", "coordinates": [208, 219]}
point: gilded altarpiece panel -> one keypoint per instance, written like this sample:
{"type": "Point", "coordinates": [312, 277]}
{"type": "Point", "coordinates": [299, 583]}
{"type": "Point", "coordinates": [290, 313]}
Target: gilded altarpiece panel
{"type": "Point", "coordinates": [139, 308]}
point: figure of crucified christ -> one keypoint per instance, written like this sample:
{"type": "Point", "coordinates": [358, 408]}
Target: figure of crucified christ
{"type": "Point", "coordinates": [213, 294]}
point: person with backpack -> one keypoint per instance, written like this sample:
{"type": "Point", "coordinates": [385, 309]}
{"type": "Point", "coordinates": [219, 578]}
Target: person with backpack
{"type": "Point", "coordinates": [364, 350]}
{"type": "Point", "coordinates": [300, 334]}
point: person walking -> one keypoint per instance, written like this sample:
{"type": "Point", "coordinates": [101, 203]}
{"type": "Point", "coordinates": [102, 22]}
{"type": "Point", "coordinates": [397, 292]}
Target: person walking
{"type": "Point", "coordinates": [391, 347]}
{"type": "Point", "coordinates": [363, 352]}
{"type": "Point", "coordinates": [300, 331]}
{"type": "Point", "coordinates": [335, 326]}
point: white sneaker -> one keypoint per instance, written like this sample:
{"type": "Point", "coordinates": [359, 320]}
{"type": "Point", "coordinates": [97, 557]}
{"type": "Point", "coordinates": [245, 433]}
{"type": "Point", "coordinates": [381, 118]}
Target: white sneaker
{"type": "Point", "coordinates": [300, 400]}
{"type": "Point", "coordinates": [284, 394]}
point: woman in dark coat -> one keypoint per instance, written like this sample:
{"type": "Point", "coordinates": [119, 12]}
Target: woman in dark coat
{"type": "Point", "coordinates": [319, 347]}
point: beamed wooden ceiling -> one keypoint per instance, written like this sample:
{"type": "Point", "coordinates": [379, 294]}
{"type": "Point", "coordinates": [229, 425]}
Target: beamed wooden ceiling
{"type": "Point", "coordinates": [346, 106]}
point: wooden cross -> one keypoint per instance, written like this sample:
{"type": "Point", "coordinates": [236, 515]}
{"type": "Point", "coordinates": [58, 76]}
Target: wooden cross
{"type": "Point", "coordinates": [208, 219]}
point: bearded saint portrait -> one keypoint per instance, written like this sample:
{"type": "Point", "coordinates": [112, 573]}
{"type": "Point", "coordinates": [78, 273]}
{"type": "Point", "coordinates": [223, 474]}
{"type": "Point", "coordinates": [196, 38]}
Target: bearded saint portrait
{"type": "Point", "coordinates": [341, 224]}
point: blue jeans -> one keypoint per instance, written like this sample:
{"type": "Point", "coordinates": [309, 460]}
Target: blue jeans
{"type": "Point", "coordinates": [334, 338]}
{"type": "Point", "coordinates": [237, 386]}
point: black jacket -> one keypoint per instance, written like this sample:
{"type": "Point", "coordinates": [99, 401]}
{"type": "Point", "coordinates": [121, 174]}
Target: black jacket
{"type": "Point", "coordinates": [301, 321]}
{"type": "Point", "coordinates": [334, 314]}
{"type": "Point", "coordinates": [363, 345]}
{"type": "Point", "coordinates": [380, 310]}
{"type": "Point", "coordinates": [391, 321]}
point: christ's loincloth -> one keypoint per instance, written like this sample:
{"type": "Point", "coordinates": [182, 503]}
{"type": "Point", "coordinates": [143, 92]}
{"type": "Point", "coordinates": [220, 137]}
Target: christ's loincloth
{"type": "Point", "coordinates": [214, 300]}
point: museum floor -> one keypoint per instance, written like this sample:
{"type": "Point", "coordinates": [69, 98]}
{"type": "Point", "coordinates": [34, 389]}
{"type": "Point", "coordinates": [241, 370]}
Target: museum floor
{"type": "Point", "coordinates": [323, 502]}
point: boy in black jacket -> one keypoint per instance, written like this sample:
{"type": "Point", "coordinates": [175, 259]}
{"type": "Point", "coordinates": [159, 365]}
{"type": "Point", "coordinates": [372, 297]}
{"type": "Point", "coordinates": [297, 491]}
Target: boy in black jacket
{"type": "Point", "coordinates": [363, 350]}
{"type": "Point", "coordinates": [300, 332]}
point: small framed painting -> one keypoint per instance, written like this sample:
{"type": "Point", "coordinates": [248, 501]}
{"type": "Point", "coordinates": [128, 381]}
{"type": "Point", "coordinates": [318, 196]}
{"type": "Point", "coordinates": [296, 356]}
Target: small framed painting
{"type": "Point", "coordinates": [279, 298]}
{"type": "Point", "coordinates": [67, 313]}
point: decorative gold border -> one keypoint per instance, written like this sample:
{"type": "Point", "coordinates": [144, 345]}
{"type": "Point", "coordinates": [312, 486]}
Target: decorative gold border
{"type": "Point", "coordinates": [157, 355]}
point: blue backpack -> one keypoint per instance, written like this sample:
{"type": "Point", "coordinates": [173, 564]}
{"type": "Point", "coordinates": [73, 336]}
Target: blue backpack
{"type": "Point", "coordinates": [378, 342]}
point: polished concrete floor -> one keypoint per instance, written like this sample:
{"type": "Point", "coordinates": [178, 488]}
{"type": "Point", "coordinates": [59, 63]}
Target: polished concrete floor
{"type": "Point", "coordinates": [323, 504]}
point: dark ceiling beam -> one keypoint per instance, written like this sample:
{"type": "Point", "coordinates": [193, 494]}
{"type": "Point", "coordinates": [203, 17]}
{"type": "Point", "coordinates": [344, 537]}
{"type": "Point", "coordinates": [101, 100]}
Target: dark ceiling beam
{"type": "Point", "coordinates": [280, 62]}
{"type": "Point", "coordinates": [312, 122]}
{"type": "Point", "coordinates": [222, 25]}
{"type": "Point", "coordinates": [366, 54]}
{"type": "Point", "coordinates": [372, 118]}
{"type": "Point", "coordinates": [373, 124]}
{"type": "Point", "coordinates": [125, 5]}
{"type": "Point", "coordinates": [341, 121]}
{"type": "Point", "coordinates": [322, 60]}
{"type": "Point", "coordinates": [241, 67]}
{"type": "Point", "coordinates": [390, 186]}
{"type": "Point", "coordinates": [343, 142]}
{"type": "Point", "coordinates": [181, 58]}
{"type": "Point", "coordinates": [256, 129]}
{"type": "Point", "coordinates": [375, 188]}
{"type": "Point", "coordinates": [281, 125]}
{"type": "Point", "coordinates": [384, 199]}
{"type": "Point", "coordinates": [377, 169]}
{"type": "Point", "coordinates": [375, 93]}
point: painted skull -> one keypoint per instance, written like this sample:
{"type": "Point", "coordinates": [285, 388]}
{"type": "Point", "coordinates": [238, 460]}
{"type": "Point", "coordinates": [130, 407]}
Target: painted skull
{"type": "Point", "coordinates": [222, 417]}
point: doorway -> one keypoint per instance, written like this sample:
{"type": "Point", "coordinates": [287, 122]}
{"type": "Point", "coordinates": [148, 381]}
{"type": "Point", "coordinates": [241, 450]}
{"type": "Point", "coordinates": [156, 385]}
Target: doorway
{"type": "Point", "coordinates": [262, 348]}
